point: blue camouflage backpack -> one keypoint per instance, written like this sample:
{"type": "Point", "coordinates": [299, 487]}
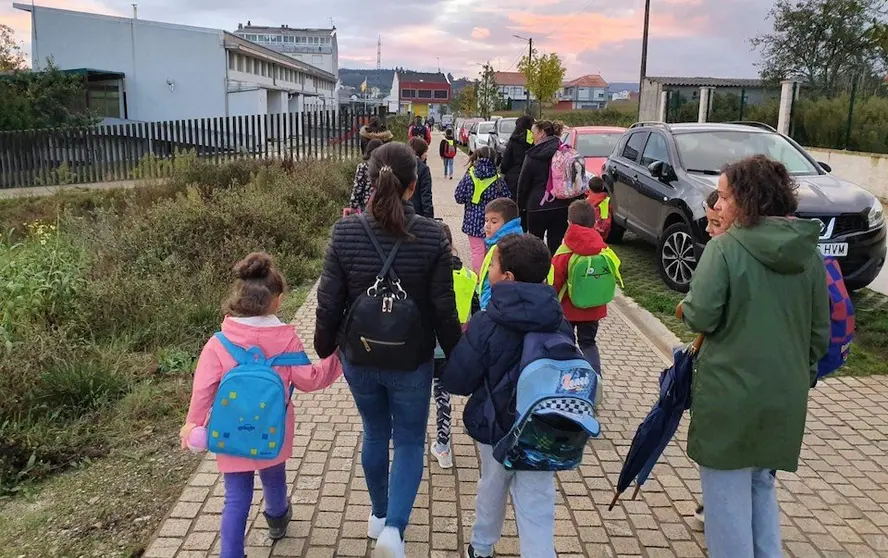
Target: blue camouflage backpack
{"type": "Point", "coordinates": [249, 414]}
{"type": "Point", "coordinates": [555, 399]}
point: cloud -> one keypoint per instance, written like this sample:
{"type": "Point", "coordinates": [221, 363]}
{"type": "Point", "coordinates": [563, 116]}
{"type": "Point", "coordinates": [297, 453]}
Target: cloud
{"type": "Point", "coordinates": [687, 37]}
{"type": "Point", "coordinates": [479, 33]}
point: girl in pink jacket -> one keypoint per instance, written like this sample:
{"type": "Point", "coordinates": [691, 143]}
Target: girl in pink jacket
{"type": "Point", "coordinates": [251, 322]}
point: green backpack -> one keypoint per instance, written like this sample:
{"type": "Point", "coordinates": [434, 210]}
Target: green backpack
{"type": "Point", "coordinates": [591, 280]}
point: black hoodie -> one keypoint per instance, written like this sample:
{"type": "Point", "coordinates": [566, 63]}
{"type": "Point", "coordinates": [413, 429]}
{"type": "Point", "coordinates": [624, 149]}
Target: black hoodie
{"type": "Point", "coordinates": [535, 176]}
{"type": "Point", "coordinates": [513, 159]}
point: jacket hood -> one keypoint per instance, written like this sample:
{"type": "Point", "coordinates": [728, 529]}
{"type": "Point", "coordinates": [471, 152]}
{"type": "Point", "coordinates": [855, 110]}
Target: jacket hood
{"type": "Point", "coordinates": [512, 227]}
{"type": "Point", "coordinates": [583, 240]}
{"type": "Point", "coordinates": [457, 263]}
{"type": "Point", "coordinates": [544, 150]}
{"type": "Point", "coordinates": [781, 244]}
{"type": "Point", "coordinates": [484, 168]}
{"type": "Point", "coordinates": [383, 135]}
{"type": "Point", "coordinates": [596, 197]}
{"type": "Point", "coordinates": [525, 306]}
{"type": "Point", "coordinates": [273, 339]}
{"type": "Point", "coordinates": [519, 136]}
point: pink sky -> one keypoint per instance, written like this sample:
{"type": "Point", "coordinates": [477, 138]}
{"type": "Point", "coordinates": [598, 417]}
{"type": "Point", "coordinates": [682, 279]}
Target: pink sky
{"type": "Point", "coordinates": [688, 37]}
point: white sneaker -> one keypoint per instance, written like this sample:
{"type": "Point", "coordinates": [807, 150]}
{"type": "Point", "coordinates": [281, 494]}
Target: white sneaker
{"type": "Point", "coordinates": [444, 457]}
{"type": "Point", "coordinates": [375, 525]}
{"type": "Point", "coordinates": [389, 544]}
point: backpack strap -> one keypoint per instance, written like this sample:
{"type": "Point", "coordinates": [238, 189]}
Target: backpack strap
{"type": "Point", "coordinates": [290, 359]}
{"type": "Point", "coordinates": [389, 260]}
{"type": "Point", "coordinates": [239, 354]}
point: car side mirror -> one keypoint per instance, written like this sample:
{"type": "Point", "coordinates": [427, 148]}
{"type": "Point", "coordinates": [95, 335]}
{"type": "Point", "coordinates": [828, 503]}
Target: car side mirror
{"type": "Point", "coordinates": [825, 166]}
{"type": "Point", "coordinates": [661, 170]}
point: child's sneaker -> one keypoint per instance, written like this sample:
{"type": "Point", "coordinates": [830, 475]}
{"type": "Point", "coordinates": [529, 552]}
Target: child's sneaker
{"type": "Point", "coordinates": [471, 554]}
{"type": "Point", "coordinates": [389, 544]}
{"type": "Point", "coordinates": [277, 526]}
{"type": "Point", "coordinates": [443, 455]}
{"type": "Point", "coordinates": [375, 525]}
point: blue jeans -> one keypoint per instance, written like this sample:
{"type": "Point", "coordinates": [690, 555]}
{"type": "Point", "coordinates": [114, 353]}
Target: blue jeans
{"type": "Point", "coordinates": [742, 513]}
{"type": "Point", "coordinates": [239, 496]}
{"type": "Point", "coordinates": [448, 167]}
{"type": "Point", "coordinates": [394, 406]}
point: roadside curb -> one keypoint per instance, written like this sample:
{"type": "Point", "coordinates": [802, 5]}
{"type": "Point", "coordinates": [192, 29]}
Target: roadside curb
{"type": "Point", "coordinates": [648, 327]}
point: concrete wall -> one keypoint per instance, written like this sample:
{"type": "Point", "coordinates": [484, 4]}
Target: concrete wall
{"type": "Point", "coordinates": [247, 103]}
{"type": "Point", "coordinates": [869, 170]}
{"type": "Point", "coordinates": [151, 55]}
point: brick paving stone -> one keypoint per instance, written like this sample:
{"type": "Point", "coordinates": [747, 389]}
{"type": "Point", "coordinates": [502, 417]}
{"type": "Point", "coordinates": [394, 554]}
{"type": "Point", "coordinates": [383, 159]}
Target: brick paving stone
{"type": "Point", "coordinates": [835, 505]}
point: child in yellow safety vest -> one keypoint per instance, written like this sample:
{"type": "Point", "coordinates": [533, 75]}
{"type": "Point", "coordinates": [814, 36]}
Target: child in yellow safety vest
{"type": "Point", "coordinates": [464, 281]}
{"type": "Point", "coordinates": [597, 196]}
{"type": "Point", "coordinates": [447, 151]}
{"type": "Point", "coordinates": [481, 185]}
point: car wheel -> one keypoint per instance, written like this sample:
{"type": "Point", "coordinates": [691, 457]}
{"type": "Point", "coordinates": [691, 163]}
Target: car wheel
{"type": "Point", "coordinates": [676, 259]}
{"type": "Point", "coordinates": [615, 235]}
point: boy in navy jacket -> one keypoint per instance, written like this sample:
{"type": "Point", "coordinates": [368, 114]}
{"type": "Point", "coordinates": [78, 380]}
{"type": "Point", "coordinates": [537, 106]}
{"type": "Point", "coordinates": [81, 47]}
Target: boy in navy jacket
{"type": "Point", "coordinates": [486, 365]}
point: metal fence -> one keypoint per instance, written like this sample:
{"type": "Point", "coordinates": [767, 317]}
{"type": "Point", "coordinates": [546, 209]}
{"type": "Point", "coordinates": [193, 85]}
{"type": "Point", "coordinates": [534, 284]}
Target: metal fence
{"type": "Point", "coordinates": [137, 150]}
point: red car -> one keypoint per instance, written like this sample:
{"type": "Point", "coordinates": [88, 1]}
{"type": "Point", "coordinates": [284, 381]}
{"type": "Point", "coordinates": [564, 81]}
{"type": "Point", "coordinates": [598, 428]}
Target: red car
{"type": "Point", "coordinates": [463, 131]}
{"type": "Point", "coordinates": [595, 143]}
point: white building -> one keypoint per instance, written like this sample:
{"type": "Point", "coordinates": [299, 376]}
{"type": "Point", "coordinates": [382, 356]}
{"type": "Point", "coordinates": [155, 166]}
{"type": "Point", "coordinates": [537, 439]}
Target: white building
{"type": "Point", "coordinates": [317, 47]}
{"type": "Point", "coordinates": [162, 71]}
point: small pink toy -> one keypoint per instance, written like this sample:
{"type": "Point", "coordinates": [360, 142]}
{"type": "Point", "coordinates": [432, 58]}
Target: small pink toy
{"type": "Point", "coordinates": [197, 439]}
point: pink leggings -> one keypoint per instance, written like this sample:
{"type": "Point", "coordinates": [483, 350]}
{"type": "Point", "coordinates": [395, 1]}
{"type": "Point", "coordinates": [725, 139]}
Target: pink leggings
{"type": "Point", "coordinates": [479, 250]}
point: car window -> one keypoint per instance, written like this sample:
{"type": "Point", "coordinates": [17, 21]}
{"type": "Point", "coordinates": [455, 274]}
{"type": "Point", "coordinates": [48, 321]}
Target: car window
{"type": "Point", "coordinates": [474, 128]}
{"type": "Point", "coordinates": [506, 127]}
{"type": "Point", "coordinates": [485, 128]}
{"type": "Point", "coordinates": [634, 145]}
{"type": "Point", "coordinates": [714, 150]}
{"type": "Point", "coordinates": [655, 150]}
{"type": "Point", "coordinates": [564, 137]}
{"type": "Point", "coordinates": [596, 145]}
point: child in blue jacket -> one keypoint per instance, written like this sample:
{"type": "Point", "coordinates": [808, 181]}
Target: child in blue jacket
{"type": "Point", "coordinates": [500, 220]}
{"type": "Point", "coordinates": [480, 185]}
{"type": "Point", "coordinates": [485, 365]}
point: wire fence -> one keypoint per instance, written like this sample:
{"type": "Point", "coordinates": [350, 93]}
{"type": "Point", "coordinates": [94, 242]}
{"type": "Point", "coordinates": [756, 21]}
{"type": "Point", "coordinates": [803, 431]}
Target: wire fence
{"type": "Point", "coordinates": [137, 150]}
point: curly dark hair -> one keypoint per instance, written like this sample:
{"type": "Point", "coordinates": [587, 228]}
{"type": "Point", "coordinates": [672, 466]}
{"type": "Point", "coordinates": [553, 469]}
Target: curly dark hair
{"type": "Point", "coordinates": [762, 187]}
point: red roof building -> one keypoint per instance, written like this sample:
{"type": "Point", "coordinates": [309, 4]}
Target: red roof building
{"type": "Point", "coordinates": [420, 93]}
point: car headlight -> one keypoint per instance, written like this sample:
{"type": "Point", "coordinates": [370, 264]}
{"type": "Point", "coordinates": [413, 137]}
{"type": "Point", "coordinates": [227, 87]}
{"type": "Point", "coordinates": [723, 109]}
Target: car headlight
{"type": "Point", "coordinates": [876, 215]}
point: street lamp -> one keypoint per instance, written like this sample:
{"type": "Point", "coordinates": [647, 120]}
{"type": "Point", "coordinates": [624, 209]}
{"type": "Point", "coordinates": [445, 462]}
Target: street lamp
{"type": "Point", "coordinates": [529, 61]}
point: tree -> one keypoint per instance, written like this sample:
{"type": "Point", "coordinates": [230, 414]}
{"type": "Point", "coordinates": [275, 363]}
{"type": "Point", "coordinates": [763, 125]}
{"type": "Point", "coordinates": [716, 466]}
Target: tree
{"type": "Point", "coordinates": [825, 44]}
{"type": "Point", "coordinates": [11, 57]}
{"type": "Point", "coordinates": [544, 75]}
{"type": "Point", "coordinates": [468, 100]}
{"type": "Point", "coordinates": [486, 92]}
{"type": "Point", "coordinates": [45, 99]}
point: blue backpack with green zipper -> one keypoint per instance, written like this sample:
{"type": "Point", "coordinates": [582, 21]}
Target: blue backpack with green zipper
{"type": "Point", "coordinates": [249, 414]}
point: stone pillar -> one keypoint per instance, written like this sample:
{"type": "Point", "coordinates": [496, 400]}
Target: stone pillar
{"type": "Point", "coordinates": [664, 98]}
{"type": "Point", "coordinates": [787, 90]}
{"type": "Point", "coordinates": [705, 101]}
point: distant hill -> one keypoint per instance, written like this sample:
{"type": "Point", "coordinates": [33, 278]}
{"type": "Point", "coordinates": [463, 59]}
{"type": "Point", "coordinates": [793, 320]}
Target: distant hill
{"type": "Point", "coordinates": [623, 86]}
{"type": "Point", "coordinates": [375, 78]}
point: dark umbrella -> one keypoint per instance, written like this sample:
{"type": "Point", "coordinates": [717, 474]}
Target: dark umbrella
{"type": "Point", "coordinates": [659, 426]}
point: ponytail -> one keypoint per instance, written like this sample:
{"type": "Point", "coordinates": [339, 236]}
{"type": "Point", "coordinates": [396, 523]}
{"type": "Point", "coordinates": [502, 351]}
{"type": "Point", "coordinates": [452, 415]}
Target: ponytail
{"type": "Point", "coordinates": [392, 171]}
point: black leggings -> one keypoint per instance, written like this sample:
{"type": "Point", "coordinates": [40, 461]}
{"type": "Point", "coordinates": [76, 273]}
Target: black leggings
{"type": "Point", "coordinates": [549, 225]}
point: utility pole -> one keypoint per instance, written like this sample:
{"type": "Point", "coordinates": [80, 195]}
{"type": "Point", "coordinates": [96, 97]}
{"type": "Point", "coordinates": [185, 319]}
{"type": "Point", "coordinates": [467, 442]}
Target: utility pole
{"type": "Point", "coordinates": [644, 51]}
{"type": "Point", "coordinates": [529, 63]}
{"type": "Point", "coordinates": [379, 53]}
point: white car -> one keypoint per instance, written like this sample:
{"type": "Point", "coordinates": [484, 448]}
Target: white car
{"type": "Point", "coordinates": [478, 135]}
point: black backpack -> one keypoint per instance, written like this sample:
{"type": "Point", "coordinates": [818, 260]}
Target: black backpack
{"type": "Point", "coordinates": [419, 132]}
{"type": "Point", "coordinates": [383, 324]}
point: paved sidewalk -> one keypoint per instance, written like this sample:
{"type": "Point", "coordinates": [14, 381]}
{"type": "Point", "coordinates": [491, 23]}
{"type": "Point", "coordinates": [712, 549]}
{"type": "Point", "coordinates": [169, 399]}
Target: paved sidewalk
{"type": "Point", "coordinates": [836, 506]}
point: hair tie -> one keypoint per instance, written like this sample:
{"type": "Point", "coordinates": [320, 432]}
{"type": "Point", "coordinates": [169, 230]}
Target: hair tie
{"type": "Point", "coordinates": [385, 168]}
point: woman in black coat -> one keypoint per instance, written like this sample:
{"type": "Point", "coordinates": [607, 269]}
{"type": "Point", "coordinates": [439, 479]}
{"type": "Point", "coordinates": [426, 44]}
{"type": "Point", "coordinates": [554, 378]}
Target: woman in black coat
{"type": "Point", "coordinates": [394, 404]}
{"type": "Point", "coordinates": [513, 157]}
{"type": "Point", "coordinates": [545, 220]}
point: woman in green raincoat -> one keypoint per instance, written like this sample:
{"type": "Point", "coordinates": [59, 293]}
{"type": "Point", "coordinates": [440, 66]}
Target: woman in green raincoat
{"type": "Point", "coordinates": [759, 296]}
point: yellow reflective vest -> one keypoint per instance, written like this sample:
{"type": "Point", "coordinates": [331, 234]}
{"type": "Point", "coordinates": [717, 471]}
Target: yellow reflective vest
{"type": "Point", "coordinates": [464, 282]}
{"type": "Point", "coordinates": [480, 185]}
{"type": "Point", "coordinates": [485, 268]}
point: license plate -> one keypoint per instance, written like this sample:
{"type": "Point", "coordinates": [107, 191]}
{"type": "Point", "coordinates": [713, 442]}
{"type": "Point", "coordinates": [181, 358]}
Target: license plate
{"type": "Point", "coordinates": [835, 249]}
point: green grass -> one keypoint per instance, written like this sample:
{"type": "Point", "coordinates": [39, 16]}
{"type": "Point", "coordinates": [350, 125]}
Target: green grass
{"type": "Point", "coordinates": [869, 352]}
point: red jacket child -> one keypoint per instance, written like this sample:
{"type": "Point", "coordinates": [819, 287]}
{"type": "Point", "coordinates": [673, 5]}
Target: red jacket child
{"type": "Point", "coordinates": [599, 199]}
{"type": "Point", "coordinates": [584, 241]}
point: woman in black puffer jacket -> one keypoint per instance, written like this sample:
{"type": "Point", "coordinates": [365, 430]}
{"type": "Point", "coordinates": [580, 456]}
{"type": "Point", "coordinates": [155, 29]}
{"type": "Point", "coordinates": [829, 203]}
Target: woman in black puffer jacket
{"type": "Point", "coordinates": [394, 405]}
{"type": "Point", "coordinates": [513, 157]}
{"type": "Point", "coordinates": [545, 220]}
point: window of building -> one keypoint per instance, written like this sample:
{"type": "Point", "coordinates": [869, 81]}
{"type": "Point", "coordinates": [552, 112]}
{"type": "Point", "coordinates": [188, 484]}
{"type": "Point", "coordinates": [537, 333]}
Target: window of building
{"type": "Point", "coordinates": [441, 94]}
{"type": "Point", "coordinates": [232, 60]}
{"type": "Point", "coordinates": [240, 63]}
{"type": "Point", "coordinates": [103, 99]}
{"type": "Point", "coordinates": [408, 93]}
{"type": "Point", "coordinates": [424, 94]}
{"type": "Point", "coordinates": [248, 66]}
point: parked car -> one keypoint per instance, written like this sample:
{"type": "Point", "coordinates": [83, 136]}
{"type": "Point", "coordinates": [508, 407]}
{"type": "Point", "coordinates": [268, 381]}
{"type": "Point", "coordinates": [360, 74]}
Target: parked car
{"type": "Point", "coordinates": [659, 175]}
{"type": "Point", "coordinates": [446, 121]}
{"type": "Point", "coordinates": [465, 126]}
{"type": "Point", "coordinates": [479, 134]}
{"type": "Point", "coordinates": [499, 137]}
{"type": "Point", "coordinates": [594, 143]}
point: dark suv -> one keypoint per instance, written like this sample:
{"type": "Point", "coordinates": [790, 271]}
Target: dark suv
{"type": "Point", "coordinates": [660, 174]}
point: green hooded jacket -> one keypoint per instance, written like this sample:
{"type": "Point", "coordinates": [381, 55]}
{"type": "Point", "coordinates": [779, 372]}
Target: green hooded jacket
{"type": "Point", "coordinates": [759, 295]}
